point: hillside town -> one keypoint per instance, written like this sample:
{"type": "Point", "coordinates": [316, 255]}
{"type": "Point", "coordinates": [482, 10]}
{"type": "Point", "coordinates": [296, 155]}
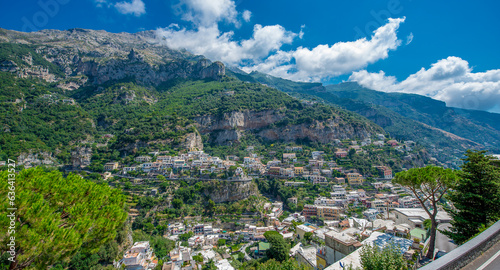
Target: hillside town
{"type": "Point", "coordinates": [317, 167]}
{"type": "Point", "coordinates": [328, 244]}
{"type": "Point", "coordinates": [326, 233]}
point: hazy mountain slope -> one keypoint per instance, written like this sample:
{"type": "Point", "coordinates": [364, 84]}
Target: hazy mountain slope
{"type": "Point", "coordinates": [404, 116]}
{"type": "Point", "coordinates": [481, 127]}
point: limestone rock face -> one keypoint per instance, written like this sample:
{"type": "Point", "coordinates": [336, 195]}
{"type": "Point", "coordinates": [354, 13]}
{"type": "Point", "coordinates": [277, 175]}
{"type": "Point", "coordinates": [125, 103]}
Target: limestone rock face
{"type": "Point", "coordinates": [36, 159]}
{"type": "Point", "coordinates": [226, 191]}
{"type": "Point", "coordinates": [231, 127]}
{"type": "Point", "coordinates": [105, 56]}
{"type": "Point", "coordinates": [81, 157]}
{"type": "Point", "coordinates": [193, 141]}
{"type": "Point", "coordinates": [215, 71]}
{"type": "Point", "coordinates": [238, 120]}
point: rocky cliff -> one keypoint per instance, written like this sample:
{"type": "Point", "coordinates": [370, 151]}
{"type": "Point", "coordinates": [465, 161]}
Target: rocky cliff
{"type": "Point", "coordinates": [225, 191]}
{"type": "Point", "coordinates": [104, 56]}
{"type": "Point", "coordinates": [230, 127]}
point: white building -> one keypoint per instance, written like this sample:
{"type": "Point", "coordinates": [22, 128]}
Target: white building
{"type": "Point", "coordinates": [139, 257]}
{"type": "Point", "coordinates": [376, 238]}
{"type": "Point", "coordinates": [415, 217]}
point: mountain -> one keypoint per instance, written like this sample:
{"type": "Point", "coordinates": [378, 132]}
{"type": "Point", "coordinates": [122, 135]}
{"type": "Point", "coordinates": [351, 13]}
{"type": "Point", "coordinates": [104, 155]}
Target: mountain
{"type": "Point", "coordinates": [404, 116]}
{"type": "Point", "coordinates": [481, 127]}
{"type": "Point", "coordinates": [64, 90]}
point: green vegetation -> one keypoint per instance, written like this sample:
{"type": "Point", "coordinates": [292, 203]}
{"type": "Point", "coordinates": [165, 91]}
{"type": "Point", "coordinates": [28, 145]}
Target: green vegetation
{"type": "Point", "coordinates": [161, 245]}
{"type": "Point", "coordinates": [272, 264]}
{"type": "Point", "coordinates": [60, 216]}
{"type": "Point", "coordinates": [388, 258]}
{"type": "Point", "coordinates": [15, 52]}
{"type": "Point", "coordinates": [403, 116]}
{"type": "Point", "coordinates": [279, 247]}
{"type": "Point", "coordinates": [428, 185]}
{"type": "Point", "coordinates": [475, 197]}
{"type": "Point", "coordinates": [38, 116]}
{"type": "Point", "coordinates": [39, 121]}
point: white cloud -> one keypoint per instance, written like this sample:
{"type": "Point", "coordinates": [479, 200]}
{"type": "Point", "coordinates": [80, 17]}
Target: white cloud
{"type": "Point", "coordinates": [206, 38]}
{"type": "Point", "coordinates": [136, 7]}
{"type": "Point", "coordinates": [325, 61]}
{"type": "Point", "coordinates": [450, 80]}
{"type": "Point", "coordinates": [263, 52]}
{"type": "Point", "coordinates": [409, 38]}
{"type": "Point", "coordinates": [301, 33]}
{"type": "Point", "coordinates": [247, 14]}
{"type": "Point", "coordinates": [207, 13]}
{"type": "Point", "coordinates": [213, 44]}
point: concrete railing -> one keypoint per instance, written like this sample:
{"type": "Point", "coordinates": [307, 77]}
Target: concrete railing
{"type": "Point", "coordinates": [467, 252]}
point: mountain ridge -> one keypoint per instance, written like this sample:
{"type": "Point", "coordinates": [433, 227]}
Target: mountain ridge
{"type": "Point", "coordinates": [135, 93]}
{"type": "Point", "coordinates": [404, 116]}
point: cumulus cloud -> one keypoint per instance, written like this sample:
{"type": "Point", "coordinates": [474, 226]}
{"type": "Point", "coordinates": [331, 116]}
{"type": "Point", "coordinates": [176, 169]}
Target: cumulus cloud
{"type": "Point", "coordinates": [136, 7]}
{"type": "Point", "coordinates": [247, 14]}
{"type": "Point", "coordinates": [263, 51]}
{"type": "Point", "coordinates": [206, 13]}
{"type": "Point", "coordinates": [207, 39]}
{"type": "Point", "coordinates": [327, 61]}
{"type": "Point", "coordinates": [450, 80]}
{"type": "Point", "coordinates": [216, 45]}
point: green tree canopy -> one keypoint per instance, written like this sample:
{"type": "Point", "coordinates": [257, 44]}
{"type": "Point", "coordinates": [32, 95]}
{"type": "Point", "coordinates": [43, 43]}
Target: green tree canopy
{"type": "Point", "coordinates": [475, 197]}
{"type": "Point", "coordinates": [387, 258]}
{"type": "Point", "coordinates": [428, 185]}
{"type": "Point", "coordinates": [56, 216]}
{"type": "Point", "coordinates": [177, 203]}
{"type": "Point", "coordinates": [186, 236]}
{"type": "Point", "coordinates": [279, 248]}
{"type": "Point", "coordinates": [290, 264]}
{"type": "Point", "coordinates": [308, 236]}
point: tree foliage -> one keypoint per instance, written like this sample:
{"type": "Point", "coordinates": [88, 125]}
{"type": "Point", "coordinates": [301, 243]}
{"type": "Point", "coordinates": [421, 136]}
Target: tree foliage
{"type": "Point", "coordinates": [428, 184]}
{"type": "Point", "coordinates": [308, 236]}
{"type": "Point", "coordinates": [272, 264]}
{"type": "Point", "coordinates": [475, 197]}
{"type": "Point", "coordinates": [387, 258]}
{"type": "Point", "coordinates": [279, 248]}
{"type": "Point", "coordinates": [56, 216]}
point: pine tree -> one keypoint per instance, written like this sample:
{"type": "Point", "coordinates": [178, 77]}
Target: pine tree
{"type": "Point", "coordinates": [57, 216]}
{"type": "Point", "coordinates": [475, 197]}
{"type": "Point", "coordinates": [428, 185]}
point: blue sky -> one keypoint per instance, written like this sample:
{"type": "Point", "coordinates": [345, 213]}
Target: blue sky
{"type": "Point", "coordinates": [442, 49]}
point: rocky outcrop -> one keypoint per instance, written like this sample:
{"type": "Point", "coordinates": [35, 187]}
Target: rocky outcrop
{"type": "Point", "coordinates": [146, 74]}
{"type": "Point", "coordinates": [225, 191]}
{"type": "Point", "coordinates": [193, 142]}
{"type": "Point", "coordinates": [104, 56]}
{"type": "Point", "coordinates": [8, 66]}
{"type": "Point", "coordinates": [31, 160]}
{"type": "Point", "coordinates": [238, 120]}
{"type": "Point", "coordinates": [230, 127]}
{"type": "Point", "coordinates": [80, 157]}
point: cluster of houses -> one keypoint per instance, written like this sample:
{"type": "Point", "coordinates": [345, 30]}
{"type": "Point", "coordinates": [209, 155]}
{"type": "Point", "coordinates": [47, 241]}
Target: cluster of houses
{"type": "Point", "coordinates": [343, 239]}
{"type": "Point", "coordinates": [170, 165]}
{"type": "Point", "coordinates": [390, 219]}
{"type": "Point", "coordinates": [316, 170]}
{"type": "Point", "coordinates": [333, 208]}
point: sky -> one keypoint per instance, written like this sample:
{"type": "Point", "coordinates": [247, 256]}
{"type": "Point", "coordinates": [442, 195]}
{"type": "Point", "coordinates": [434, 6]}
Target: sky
{"type": "Point", "coordinates": [447, 50]}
